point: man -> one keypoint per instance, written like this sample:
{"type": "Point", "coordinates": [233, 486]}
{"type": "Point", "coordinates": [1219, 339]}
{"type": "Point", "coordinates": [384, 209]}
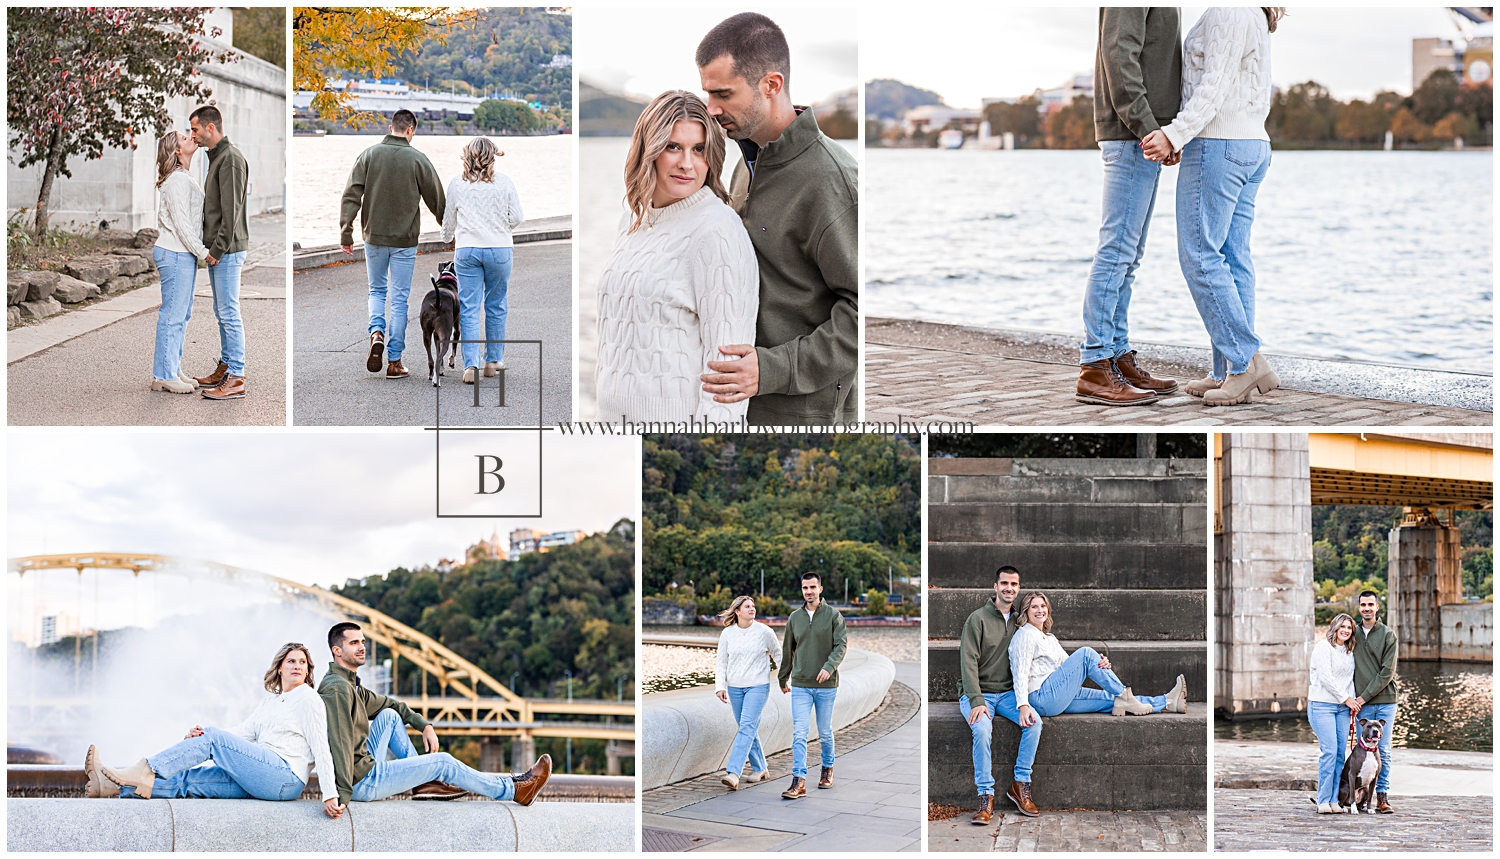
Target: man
{"type": "Point", "coordinates": [985, 689]}
{"type": "Point", "coordinates": [226, 234]}
{"type": "Point", "coordinates": [812, 647]}
{"type": "Point", "coordinates": [1375, 685]}
{"type": "Point", "coordinates": [387, 187]}
{"type": "Point", "coordinates": [797, 192]}
{"type": "Point", "coordinates": [1137, 89]}
{"type": "Point", "coordinates": [363, 725]}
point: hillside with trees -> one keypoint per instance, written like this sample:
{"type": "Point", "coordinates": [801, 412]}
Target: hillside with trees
{"type": "Point", "coordinates": [1351, 546]}
{"type": "Point", "coordinates": [505, 49]}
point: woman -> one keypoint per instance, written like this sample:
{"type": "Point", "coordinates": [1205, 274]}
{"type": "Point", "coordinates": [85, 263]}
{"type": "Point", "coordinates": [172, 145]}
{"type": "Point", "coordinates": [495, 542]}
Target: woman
{"type": "Point", "coordinates": [483, 207]}
{"type": "Point", "coordinates": [1220, 132]}
{"type": "Point", "coordinates": [267, 756]}
{"type": "Point", "coordinates": [179, 247]}
{"type": "Point", "coordinates": [1048, 681]}
{"type": "Point", "coordinates": [742, 679]}
{"type": "Point", "coordinates": [1330, 704]}
{"type": "Point", "coordinates": [682, 279]}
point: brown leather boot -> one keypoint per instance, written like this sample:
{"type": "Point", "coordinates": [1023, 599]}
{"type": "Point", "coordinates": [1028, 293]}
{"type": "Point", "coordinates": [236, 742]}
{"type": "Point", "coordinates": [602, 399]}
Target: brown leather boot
{"type": "Point", "coordinates": [826, 781]}
{"type": "Point", "coordinates": [1142, 379]}
{"type": "Point", "coordinates": [986, 809]}
{"type": "Point", "coordinates": [1382, 806]}
{"type": "Point", "coordinates": [1100, 384]}
{"type": "Point", "coordinates": [437, 790]}
{"type": "Point", "coordinates": [1020, 793]}
{"type": "Point", "coordinates": [377, 352]}
{"type": "Point", "coordinates": [231, 387]}
{"type": "Point", "coordinates": [213, 379]}
{"type": "Point", "coordinates": [798, 789]}
{"type": "Point", "coordinates": [394, 370]}
{"type": "Point", "coordinates": [530, 783]}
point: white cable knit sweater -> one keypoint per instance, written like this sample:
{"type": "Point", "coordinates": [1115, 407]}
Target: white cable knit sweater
{"type": "Point", "coordinates": [746, 656]}
{"type": "Point", "coordinates": [294, 725]}
{"type": "Point", "coordinates": [1033, 658]}
{"type": "Point", "coordinates": [1226, 78]}
{"type": "Point", "coordinates": [482, 214]}
{"type": "Point", "coordinates": [1330, 674]}
{"type": "Point", "coordinates": [674, 291]}
{"type": "Point", "coordinates": [179, 215]}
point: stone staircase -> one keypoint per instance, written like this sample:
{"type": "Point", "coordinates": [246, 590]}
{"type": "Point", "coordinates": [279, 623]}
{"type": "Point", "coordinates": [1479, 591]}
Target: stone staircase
{"type": "Point", "coordinates": [1119, 545]}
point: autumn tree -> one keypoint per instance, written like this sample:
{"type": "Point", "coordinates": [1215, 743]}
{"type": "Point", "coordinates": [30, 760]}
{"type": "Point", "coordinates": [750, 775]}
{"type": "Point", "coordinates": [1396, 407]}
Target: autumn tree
{"type": "Point", "coordinates": [1435, 97]}
{"type": "Point", "coordinates": [328, 42]}
{"type": "Point", "coordinates": [1361, 122]}
{"type": "Point", "coordinates": [83, 79]}
{"type": "Point", "coordinates": [1072, 127]}
{"type": "Point", "coordinates": [1022, 119]}
{"type": "Point", "coordinates": [1453, 125]}
{"type": "Point", "coordinates": [260, 31]}
{"type": "Point", "coordinates": [1406, 128]}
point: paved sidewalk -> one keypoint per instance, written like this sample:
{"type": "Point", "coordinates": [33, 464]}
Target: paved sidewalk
{"type": "Point", "coordinates": [330, 345]}
{"type": "Point", "coordinates": [874, 806]}
{"type": "Point", "coordinates": [1285, 820]}
{"type": "Point", "coordinates": [1294, 766]}
{"type": "Point", "coordinates": [926, 372]}
{"type": "Point", "coordinates": [1073, 831]}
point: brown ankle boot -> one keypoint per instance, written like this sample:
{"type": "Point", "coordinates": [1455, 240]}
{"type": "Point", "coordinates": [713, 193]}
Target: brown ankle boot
{"type": "Point", "coordinates": [827, 780]}
{"type": "Point", "coordinates": [1142, 379]}
{"type": "Point", "coordinates": [1101, 384]}
{"type": "Point", "coordinates": [986, 809]}
{"type": "Point", "coordinates": [213, 379]}
{"type": "Point", "coordinates": [531, 782]}
{"type": "Point", "coordinates": [231, 387]}
{"type": "Point", "coordinates": [394, 370]}
{"type": "Point", "coordinates": [798, 789]}
{"type": "Point", "coordinates": [1020, 794]}
{"type": "Point", "coordinates": [1382, 806]}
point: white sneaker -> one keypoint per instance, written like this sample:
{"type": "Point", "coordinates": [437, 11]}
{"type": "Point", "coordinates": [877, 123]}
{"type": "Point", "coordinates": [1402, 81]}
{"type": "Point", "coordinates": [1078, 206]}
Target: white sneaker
{"type": "Point", "coordinates": [172, 386]}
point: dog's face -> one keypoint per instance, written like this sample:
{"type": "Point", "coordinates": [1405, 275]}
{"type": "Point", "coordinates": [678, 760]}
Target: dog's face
{"type": "Point", "coordinates": [445, 278]}
{"type": "Point", "coordinates": [1369, 731]}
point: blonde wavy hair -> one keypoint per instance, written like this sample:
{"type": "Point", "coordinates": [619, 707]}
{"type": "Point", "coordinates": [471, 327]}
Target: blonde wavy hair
{"type": "Point", "coordinates": [653, 131]}
{"type": "Point", "coordinates": [479, 160]}
{"type": "Point", "coordinates": [1024, 617]}
{"type": "Point", "coordinates": [166, 156]}
{"type": "Point", "coordinates": [1333, 633]}
{"type": "Point", "coordinates": [1274, 14]}
{"type": "Point", "coordinates": [273, 677]}
{"type": "Point", "coordinates": [728, 615]}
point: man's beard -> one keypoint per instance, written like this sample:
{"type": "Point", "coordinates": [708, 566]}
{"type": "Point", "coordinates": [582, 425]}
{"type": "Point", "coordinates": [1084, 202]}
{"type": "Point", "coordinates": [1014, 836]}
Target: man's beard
{"type": "Point", "coordinates": [746, 125]}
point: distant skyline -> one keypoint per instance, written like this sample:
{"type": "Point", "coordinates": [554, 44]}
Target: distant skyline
{"type": "Point", "coordinates": [1010, 52]}
{"type": "Point", "coordinates": [644, 52]}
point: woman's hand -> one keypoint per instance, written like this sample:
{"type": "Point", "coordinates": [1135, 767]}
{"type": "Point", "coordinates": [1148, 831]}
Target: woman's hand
{"type": "Point", "coordinates": [197, 731]}
{"type": "Point", "coordinates": [1028, 716]}
{"type": "Point", "coordinates": [333, 809]}
{"type": "Point", "coordinates": [1104, 662]}
{"type": "Point", "coordinates": [1156, 146]}
{"type": "Point", "coordinates": [1353, 704]}
{"type": "Point", "coordinates": [723, 696]}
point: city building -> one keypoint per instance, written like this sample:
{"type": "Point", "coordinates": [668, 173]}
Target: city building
{"type": "Point", "coordinates": [1470, 57]}
{"type": "Point", "coordinates": [931, 117]}
{"type": "Point", "coordinates": [522, 541]}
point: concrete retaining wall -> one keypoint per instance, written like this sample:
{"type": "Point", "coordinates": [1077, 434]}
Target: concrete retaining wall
{"type": "Point", "coordinates": [1468, 634]}
{"type": "Point", "coordinates": [251, 825]}
{"type": "Point", "coordinates": [688, 732]}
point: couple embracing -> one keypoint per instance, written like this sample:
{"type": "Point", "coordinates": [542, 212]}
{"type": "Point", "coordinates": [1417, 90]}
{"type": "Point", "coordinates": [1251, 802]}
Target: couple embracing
{"type": "Point", "coordinates": [1352, 674]}
{"type": "Point", "coordinates": [1200, 106]}
{"type": "Point", "coordinates": [1012, 665]}
{"type": "Point", "coordinates": [739, 304]}
{"type": "Point", "coordinates": [356, 738]}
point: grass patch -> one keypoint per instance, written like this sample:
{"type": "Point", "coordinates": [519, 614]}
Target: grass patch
{"type": "Point", "coordinates": [48, 252]}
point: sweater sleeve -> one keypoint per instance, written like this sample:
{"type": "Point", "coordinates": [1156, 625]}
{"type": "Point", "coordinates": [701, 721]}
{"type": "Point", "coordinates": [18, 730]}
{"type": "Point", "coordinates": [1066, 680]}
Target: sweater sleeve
{"type": "Point", "coordinates": [1321, 666]}
{"type": "Point", "coordinates": [513, 200]}
{"type": "Point", "coordinates": [338, 707]}
{"type": "Point", "coordinates": [375, 703]}
{"type": "Point", "coordinates": [721, 662]}
{"type": "Point", "coordinates": [431, 187]}
{"type": "Point", "coordinates": [840, 643]}
{"type": "Point", "coordinates": [1022, 653]}
{"type": "Point", "coordinates": [1227, 32]}
{"type": "Point", "coordinates": [1122, 37]}
{"type": "Point", "coordinates": [773, 647]}
{"type": "Point", "coordinates": [450, 211]}
{"type": "Point", "coordinates": [314, 727]}
{"type": "Point", "coordinates": [968, 660]}
{"type": "Point", "coordinates": [726, 297]}
{"type": "Point", "coordinates": [177, 216]}
{"type": "Point", "coordinates": [812, 362]}
{"type": "Point", "coordinates": [354, 195]}
{"type": "Point", "coordinates": [248, 730]}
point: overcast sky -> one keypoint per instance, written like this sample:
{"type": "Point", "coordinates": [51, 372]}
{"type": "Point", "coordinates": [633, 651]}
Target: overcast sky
{"type": "Point", "coordinates": [647, 51]}
{"type": "Point", "coordinates": [1001, 51]}
{"type": "Point", "coordinates": [314, 507]}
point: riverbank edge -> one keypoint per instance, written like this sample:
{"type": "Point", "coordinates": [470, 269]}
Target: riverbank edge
{"type": "Point", "coordinates": [1452, 389]}
{"type": "Point", "coordinates": [536, 230]}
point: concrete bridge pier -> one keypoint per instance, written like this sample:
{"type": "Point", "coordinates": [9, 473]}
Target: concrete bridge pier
{"type": "Point", "coordinates": [522, 753]}
{"type": "Point", "coordinates": [1424, 574]}
{"type": "Point", "coordinates": [491, 755]}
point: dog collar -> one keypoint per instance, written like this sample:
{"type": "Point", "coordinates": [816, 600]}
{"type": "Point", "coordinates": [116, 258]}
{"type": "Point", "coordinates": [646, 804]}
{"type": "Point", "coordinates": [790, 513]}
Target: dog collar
{"type": "Point", "coordinates": [1361, 741]}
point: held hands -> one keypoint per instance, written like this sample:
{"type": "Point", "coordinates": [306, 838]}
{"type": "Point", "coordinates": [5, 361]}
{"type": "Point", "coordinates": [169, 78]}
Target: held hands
{"type": "Point", "coordinates": [823, 675]}
{"type": "Point", "coordinates": [211, 259]}
{"type": "Point", "coordinates": [1028, 716]}
{"type": "Point", "coordinates": [976, 713]}
{"type": "Point", "coordinates": [197, 731]}
{"type": "Point", "coordinates": [333, 809]}
{"type": "Point", "coordinates": [723, 696]}
{"type": "Point", "coordinates": [1157, 147]}
{"type": "Point", "coordinates": [733, 381]}
{"type": "Point", "coordinates": [347, 249]}
{"type": "Point", "coordinates": [786, 690]}
{"type": "Point", "coordinates": [429, 739]}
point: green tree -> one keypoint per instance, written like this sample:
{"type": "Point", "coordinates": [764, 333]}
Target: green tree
{"type": "Point", "coordinates": [876, 604]}
{"type": "Point", "coordinates": [1022, 119]}
{"type": "Point", "coordinates": [506, 117]}
{"type": "Point", "coordinates": [260, 31]}
{"type": "Point", "coordinates": [1435, 97]}
{"type": "Point", "coordinates": [1072, 127]}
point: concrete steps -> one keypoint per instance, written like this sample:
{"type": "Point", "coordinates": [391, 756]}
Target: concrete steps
{"type": "Point", "coordinates": [1141, 763]}
{"type": "Point", "coordinates": [1070, 565]}
{"type": "Point", "coordinates": [1108, 615]}
{"type": "Point", "coordinates": [1150, 667]}
{"type": "Point", "coordinates": [1068, 522]}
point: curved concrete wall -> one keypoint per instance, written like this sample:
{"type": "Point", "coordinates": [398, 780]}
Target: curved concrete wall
{"type": "Point", "coordinates": [251, 825]}
{"type": "Point", "coordinates": [688, 732]}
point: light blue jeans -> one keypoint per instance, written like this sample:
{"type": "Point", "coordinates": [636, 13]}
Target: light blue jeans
{"type": "Point", "coordinates": [1063, 690]}
{"type": "Point", "coordinates": [1004, 704]}
{"type": "Point", "coordinates": [804, 701]}
{"type": "Point", "coordinates": [1216, 189]}
{"type": "Point", "coordinates": [1330, 722]}
{"type": "Point", "coordinates": [1129, 198]}
{"type": "Point", "coordinates": [178, 272]}
{"type": "Point", "coordinates": [389, 271]}
{"type": "Point", "coordinates": [747, 702]}
{"type": "Point", "coordinates": [224, 279]}
{"type": "Point", "coordinates": [483, 279]}
{"type": "Point", "coordinates": [240, 770]}
{"type": "Point", "coordinates": [409, 769]}
{"type": "Point", "coordinates": [1387, 714]}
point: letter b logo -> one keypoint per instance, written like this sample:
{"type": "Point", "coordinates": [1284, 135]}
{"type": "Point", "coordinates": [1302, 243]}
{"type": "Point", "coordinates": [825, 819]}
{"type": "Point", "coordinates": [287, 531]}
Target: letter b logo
{"type": "Point", "coordinates": [489, 472]}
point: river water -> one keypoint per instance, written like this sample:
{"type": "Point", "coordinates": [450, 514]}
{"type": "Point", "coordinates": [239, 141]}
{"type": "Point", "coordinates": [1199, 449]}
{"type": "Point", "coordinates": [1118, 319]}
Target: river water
{"type": "Point", "coordinates": [1369, 256]}
{"type": "Point", "coordinates": [664, 667]}
{"type": "Point", "coordinates": [541, 167]}
{"type": "Point", "coordinates": [1440, 705]}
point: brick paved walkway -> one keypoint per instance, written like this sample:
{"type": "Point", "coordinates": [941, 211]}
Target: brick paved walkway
{"type": "Point", "coordinates": [913, 371]}
{"type": "Point", "coordinates": [1285, 820]}
{"type": "Point", "coordinates": [1074, 831]}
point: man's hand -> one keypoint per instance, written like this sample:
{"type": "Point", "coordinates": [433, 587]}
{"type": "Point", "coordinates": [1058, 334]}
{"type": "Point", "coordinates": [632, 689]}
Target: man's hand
{"type": "Point", "coordinates": [333, 809]}
{"type": "Point", "coordinates": [1156, 146]}
{"type": "Point", "coordinates": [823, 675]}
{"type": "Point", "coordinates": [786, 690]}
{"type": "Point", "coordinates": [197, 731]}
{"type": "Point", "coordinates": [1028, 717]}
{"type": "Point", "coordinates": [723, 696]}
{"type": "Point", "coordinates": [211, 259]}
{"type": "Point", "coordinates": [733, 381]}
{"type": "Point", "coordinates": [977, 713]}
{"type": "Point", "coordinates": [347, 249]}
{"type": "Point", "coordinates": [429, 739]}
{"type": "Point", "coordinates": [1173, 160]}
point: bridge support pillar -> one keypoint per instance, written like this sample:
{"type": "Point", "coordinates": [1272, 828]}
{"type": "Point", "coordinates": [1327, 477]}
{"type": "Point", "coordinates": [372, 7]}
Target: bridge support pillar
{"type": "Point", "coordinates": [613, 751]}
{"type": "Point", "coordinates": [1263, 575]}
{"type": "Point", "coordinates": [491, 755]}
{"type": "Point", "coordinates": [1424, 573]}
{"type": "Point", "coordinates": [522, 753]}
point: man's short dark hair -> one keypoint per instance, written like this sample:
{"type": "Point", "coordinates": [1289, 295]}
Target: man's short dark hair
{"type": "Point", "coordinates": [753, 41]}
{"type": "Point", "coordinates": [806, 576]}
{"type": "Point", "coordinates": [336, 634]}
{"type": "Point", "coordinates": [208, 115]}
{"type": "Point", "coordinates": [403, 119]}
{"type": "Point", "coordinates": [1370, 594]}
{"type": "Point", "coordinates": [1007, 569]}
